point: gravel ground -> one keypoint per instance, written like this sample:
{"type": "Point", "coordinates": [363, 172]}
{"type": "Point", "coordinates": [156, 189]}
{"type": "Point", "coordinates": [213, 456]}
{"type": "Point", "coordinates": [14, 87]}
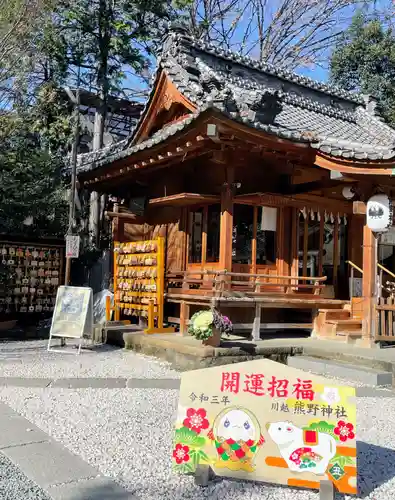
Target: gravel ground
{"type": "Point", "coordinates": [127, 434]}
{"type": "Point", "coordinates": [31, 360]}
{"type": "Point", "coordinates": [14, 485]}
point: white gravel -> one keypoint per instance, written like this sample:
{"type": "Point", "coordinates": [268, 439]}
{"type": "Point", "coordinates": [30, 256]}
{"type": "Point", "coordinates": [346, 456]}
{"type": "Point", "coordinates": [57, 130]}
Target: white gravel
{"type": "Point", "coordinates": [127, 434]}
{"type": "Point", "coordinates": [14, 485]}
{"type": "Point", "coordinates": [31, 360]}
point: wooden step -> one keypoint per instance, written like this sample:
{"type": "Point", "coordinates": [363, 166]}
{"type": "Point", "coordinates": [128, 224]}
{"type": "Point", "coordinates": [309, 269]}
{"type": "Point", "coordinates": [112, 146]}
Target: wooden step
{"type": "Point", "coordinates": [346, 324]}
{"type": "Point", "coordinates": [335, 314]}
{"type": "Point", "coordinates": [350, 336]}
{"type": "Point", "coordinates": [350, 333]}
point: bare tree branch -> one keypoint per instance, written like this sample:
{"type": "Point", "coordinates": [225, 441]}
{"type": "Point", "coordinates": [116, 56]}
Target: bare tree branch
{"type": "Point", "coordinates": [294, 33]}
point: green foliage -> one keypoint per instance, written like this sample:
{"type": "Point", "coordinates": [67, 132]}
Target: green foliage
{"type": "Point", "coordinates": [198, 457]}
{"type": "Point", "coordinates": [201, 325]}
{"type": "Point", "coordinates": [109, 40]}
{"type": "Point", "coordinates": [184, 468]}
{"type": "Point", "coordinates": [342, 460]}
{"type": "Point", "coordinates": [188, 437]}
{"type": "Point", "coordinates": [323, 427]}
{"type": "Point", "coordinates": [30, 181]}
{"type": "Point", "coordinates": [364, 61]}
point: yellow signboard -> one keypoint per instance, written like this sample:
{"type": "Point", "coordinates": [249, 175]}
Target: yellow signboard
{"type": "Point", "coordinates": [264, 421]}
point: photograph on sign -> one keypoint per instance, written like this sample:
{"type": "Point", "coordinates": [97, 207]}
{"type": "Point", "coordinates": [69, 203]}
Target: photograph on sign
{"type": "Point", "coordinates": [72, 312]}
{"type": "Point", "coordinates": [263, 421]}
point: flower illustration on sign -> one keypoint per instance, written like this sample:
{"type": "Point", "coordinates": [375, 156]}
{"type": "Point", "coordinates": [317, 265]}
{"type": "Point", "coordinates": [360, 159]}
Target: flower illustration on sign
{"type": "Point", "coordinates": [181, 453]}
{"type": "Point", "coordinates": [196, 420]}
{"type": "Point", "coordinates": [344, 431]}
{"type": "Point", "coordinates": [331, 395]}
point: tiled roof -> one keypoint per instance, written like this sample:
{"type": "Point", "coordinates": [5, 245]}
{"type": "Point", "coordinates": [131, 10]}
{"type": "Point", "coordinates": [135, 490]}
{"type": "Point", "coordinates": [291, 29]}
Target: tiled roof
{"type": "Point", "coordinates": [268, 98]}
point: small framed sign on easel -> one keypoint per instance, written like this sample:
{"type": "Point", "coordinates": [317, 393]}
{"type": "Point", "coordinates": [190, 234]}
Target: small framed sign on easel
{"type": "Point", "coordinates": [73, 316]}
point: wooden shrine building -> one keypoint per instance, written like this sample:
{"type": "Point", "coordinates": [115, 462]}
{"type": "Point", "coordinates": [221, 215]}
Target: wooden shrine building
{"type": "Point", "coordinates": [258, 179]}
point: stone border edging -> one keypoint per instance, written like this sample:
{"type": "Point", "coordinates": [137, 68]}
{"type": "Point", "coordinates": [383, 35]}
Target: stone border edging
{"type": "Point", "coordinates": [91, 382]}
{"type": "Point", "coordinates": [137, 383]}
{"type": "Point", "coordinates": [63, 475]}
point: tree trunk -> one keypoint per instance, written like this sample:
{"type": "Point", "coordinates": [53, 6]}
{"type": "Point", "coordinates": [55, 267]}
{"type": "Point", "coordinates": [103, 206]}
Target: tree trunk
{"type": "Point", "coordinates": [104, 36]}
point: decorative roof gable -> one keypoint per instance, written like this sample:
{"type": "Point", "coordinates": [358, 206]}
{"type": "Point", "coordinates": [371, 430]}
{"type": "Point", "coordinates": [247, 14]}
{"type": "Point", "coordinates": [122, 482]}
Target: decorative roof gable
{"type": "Point", "coordinates": [260, 95]}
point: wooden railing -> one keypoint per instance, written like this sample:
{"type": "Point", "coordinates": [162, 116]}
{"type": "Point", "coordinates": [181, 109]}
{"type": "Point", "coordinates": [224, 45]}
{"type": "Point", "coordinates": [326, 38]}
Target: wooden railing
{"type": "Point", "coordinates": [389, 286]}
{"type": "Point", "coordinates": [219, 282]}
{"type": "Point", "coordinates": [385, 330]}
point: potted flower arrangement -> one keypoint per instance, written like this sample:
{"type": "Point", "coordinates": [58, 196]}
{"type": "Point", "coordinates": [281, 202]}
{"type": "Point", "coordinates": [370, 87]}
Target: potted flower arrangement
{"type": "Point", "coordinates": [209, 325]}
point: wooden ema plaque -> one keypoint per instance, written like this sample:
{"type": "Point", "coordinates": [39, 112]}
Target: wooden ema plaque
{"type": "Point", "coordinates": [139, 282]}
{"type": "Point", "coordinates": [264, 421]}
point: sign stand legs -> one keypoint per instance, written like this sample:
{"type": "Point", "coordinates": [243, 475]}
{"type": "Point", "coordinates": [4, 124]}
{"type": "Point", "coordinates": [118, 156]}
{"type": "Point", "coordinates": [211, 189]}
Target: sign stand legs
{"type": "Point", "coordinates": [63, 344]}
{"type": "Point", "coordinates": [327, 490]}
{"type": "Point", "coordinates": [204, 475]}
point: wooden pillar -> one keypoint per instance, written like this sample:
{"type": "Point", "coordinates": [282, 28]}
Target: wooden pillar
{"type": "Point", "coordinates": [336, 251]}
{"type": "Point", "coordinates": [256, 327]}
{"type": "Point", "coordinates": [183, 231]}
{"type": "Point", "coordinates": [294, 242]}
{"type": "Point", "coordinates": [253, 243]}
{"type": "Point", "coordinates": [281, 238]}
{"type": "Point", "coordinates": [184, 318]}
{"type": "Point", "coordinates": [369, 266]}
{"type": "Point", "coordinates": [321, 246]}
{"type": "Point", "coordinates": [226, 232]}
{"type": "Point", "coordinates": [204, 236]}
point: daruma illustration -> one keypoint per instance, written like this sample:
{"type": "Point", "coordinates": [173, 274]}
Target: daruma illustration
{"type": "Point", "coordinates": [303, 450]}
{"type": "Point", "coordinates": [237, 436]}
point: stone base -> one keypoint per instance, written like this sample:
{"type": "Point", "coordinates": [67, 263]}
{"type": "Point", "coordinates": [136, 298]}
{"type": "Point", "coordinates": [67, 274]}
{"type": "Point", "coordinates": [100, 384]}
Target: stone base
{"type": "Point", "coordinates": [187, 353]}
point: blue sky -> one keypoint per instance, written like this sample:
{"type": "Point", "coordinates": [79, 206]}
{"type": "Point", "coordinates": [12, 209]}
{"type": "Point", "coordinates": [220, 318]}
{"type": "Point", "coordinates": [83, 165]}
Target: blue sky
{"type": "Point", "coordinates": [317, 72]}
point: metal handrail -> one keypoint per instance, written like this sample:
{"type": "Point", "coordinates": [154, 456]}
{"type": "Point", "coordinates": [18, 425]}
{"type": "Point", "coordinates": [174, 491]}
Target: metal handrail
{"type": "Point", "coordinates": [354, 266]}
{"type": "Point", "coordinates": [386, 270]}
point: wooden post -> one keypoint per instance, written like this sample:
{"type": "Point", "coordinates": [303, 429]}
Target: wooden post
{"type": "Point", "coordinates": [321, 246]}
{"type": "Point", "coordinates": [226, 232]}
{"type": "Point", "coordinates": [369, 266]}
{"type": "Point", "coordinates": [305, 244]}
{"type": "Point", "coordinates": [116, 242]}
{"type": "Point", "coordinates": [294, 242]}
{"type": "Point", "coordinates": [108, 308]}
{"type": "Point", "coordinates": [256, 328]}
{"type": "Point", "coordinates": [151, 315]}
{"type": "Point", "coordinates": [204, 237]}
{"type": "Point", "coordinates": [184, 318]}
{"type": "Point", "coordinates": [183, 228]}
{"type": "Point", "coordinates": [336, 249]}
{"type": "Point", "coordinates": [253, 243]}
{"type": "Point", "coordinates": [280, 237]}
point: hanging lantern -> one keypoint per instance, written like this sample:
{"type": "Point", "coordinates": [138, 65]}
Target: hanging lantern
{"type": "Point", "coordinates": [348, 192]}
{"type": "Point", "coordinates": [379, 213]}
